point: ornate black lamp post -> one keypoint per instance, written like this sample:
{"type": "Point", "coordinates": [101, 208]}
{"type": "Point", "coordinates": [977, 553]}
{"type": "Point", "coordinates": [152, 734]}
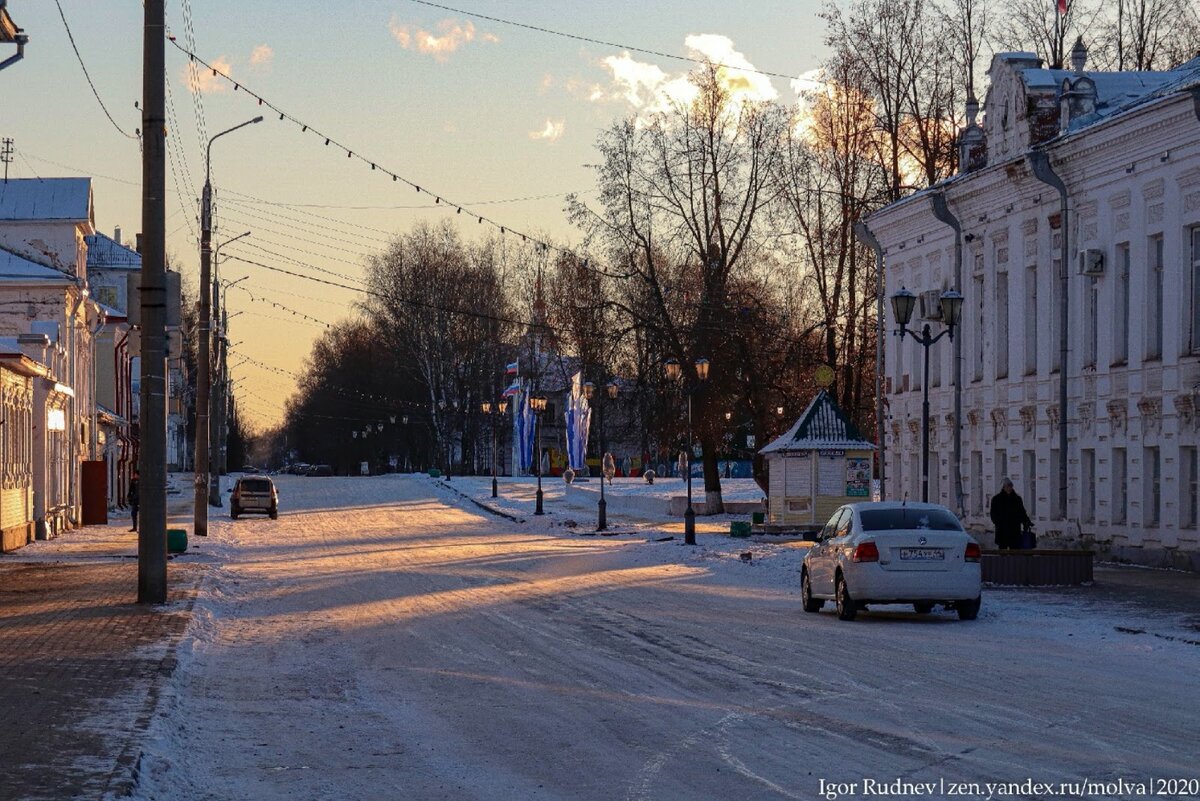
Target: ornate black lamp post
{"type": "Point", "coordinates": [538, 404]}
{"type": "Point", "coordinates": [589, 390]}
{"type": "Point", "coordinates": [903, 303]}
{"type": "Point", "coordinates": [675, 373]}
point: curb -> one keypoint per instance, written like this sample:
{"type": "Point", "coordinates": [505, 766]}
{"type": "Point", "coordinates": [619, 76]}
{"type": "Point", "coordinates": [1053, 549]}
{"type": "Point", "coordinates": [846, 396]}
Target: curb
{"type": "Point", "coordinates": [489, 509]}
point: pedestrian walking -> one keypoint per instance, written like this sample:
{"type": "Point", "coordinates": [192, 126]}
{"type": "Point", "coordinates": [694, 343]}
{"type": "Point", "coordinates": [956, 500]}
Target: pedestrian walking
{"type": "Point", "coordinates": [682, 465]}
{"type": "Point", "coordinates": [1008, 516]}
{"type": "Point", "coordinates": [626, 467]}
{"type": "Point", "coordinates": [608, 468]}
{"type": "Point", "coordinates": [131, 497]}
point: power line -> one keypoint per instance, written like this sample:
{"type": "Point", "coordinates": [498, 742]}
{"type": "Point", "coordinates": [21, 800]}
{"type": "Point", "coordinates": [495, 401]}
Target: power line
{"type": "Point", "coordinates": [590, 40]}
{"type": "Point", "coordinates": [74, 47]}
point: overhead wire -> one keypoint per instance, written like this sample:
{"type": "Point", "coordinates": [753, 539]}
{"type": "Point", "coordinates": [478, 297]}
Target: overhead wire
{"type": "Point", "coordinates": [86, 74]}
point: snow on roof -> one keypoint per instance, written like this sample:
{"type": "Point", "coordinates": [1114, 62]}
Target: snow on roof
{"type": "Point", "coordinates": [823, 426]}
{"type": "Point", "coordinates": [29, 199]}
{"type": "Point", "coordinates": [105, 253]}
{"type": "Point", "coordinates": [16, 267]}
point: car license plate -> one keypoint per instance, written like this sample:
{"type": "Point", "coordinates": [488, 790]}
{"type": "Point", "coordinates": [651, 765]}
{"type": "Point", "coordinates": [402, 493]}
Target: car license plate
{"type": "Point", "coordinates": [922, 554]}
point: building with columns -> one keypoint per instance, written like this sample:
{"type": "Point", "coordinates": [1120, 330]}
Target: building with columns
{"type": "Point", "coordinates": [1073, 232]}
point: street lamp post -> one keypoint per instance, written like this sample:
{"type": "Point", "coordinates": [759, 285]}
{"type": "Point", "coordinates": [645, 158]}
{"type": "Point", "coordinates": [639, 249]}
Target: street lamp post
{"type": "Point", "coordinates": [203, 367]}
{"type": "Point", "coordinates": [589, 390]}
{"type": "Point", "coordinates": [903, 303]}
{"type": "Point", "coordinates": [487, 409]}
{"type": "Point", "coordinates": [675, 373]}
{"type": "Point", "coordinates": [538, 404]}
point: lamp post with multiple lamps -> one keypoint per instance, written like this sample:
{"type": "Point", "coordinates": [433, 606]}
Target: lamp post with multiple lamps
{"type": "Point", "coordinates": [500, 408]}
{"type": "Point", "coordinates": [903, 303]}
{"type": "Point", "coordinates": [675, 373]}
{"type": "Point", "coordinates": [589, 391]}
{"type": "Point", "coordinates": [538, 404]}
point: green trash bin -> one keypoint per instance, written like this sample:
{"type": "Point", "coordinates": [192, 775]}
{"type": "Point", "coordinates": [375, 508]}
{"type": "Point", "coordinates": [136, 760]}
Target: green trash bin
{"type": "Point", "coordinates": [176, 540]}
{"type": "Point", "coordinates": [739, 528]}
{"type": "Point", "coordinates": [435, 473]}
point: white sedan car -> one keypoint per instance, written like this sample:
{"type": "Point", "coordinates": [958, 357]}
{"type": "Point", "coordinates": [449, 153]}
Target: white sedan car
{"type": "Point", "coordinates": [892, 553]}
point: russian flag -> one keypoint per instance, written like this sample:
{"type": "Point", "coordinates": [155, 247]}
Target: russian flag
{"type": "Point", "coordinates": [513, 389]}
{"type": "Point", "coordinates": [511, 369]}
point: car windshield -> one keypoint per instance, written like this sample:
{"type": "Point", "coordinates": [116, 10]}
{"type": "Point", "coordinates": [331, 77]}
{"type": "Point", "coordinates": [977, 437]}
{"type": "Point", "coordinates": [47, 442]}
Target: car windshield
{"type": "Point", "coordinates": [256, 485]}
{"type": "Point", "coordinates": [903, 518]}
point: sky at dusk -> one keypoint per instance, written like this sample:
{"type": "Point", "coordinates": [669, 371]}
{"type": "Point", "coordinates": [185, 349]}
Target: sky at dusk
{"type": "Point", "coordinates": [497, 118]}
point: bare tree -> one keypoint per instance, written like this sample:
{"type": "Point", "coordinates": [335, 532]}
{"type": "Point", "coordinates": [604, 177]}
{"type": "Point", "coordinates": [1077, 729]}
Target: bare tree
{"type": "Point", "coordinates": [680, 202]}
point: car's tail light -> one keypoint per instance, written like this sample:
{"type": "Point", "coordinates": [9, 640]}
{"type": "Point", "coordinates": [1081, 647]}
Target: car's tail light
{"type": "Point", "coordinates": [866, 552]}
{"type": "Point", "coordinates": [973, 552]}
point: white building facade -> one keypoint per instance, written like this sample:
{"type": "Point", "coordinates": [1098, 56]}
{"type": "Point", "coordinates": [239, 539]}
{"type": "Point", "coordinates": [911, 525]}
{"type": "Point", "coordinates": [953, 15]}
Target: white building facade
{"type": "Point", "coordinates": [1074, 235]}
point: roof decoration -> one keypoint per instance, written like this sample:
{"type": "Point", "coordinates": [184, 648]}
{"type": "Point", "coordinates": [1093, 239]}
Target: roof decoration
{"type": "Point", "coordinates": [823, 426]}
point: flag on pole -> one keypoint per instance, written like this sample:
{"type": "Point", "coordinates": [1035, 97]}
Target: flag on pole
{"type": "Point", "coordinates": [1062, 7]}
{"type": "Point", "coordinates": [511, 369]}
{"type": "Point", "coordinates": [513, 389]}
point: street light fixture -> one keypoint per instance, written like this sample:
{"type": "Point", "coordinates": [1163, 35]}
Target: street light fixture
{"type": "Point", "coordinates": [486, 406]}
{"type": "Point", "coordinates": [675, 372]}
{"type": "Point", "coordinates": [589, 391]}
{"type": "Point", "coordinates": [903, 304]}
{"type": "Point", "coordinates": [538, 404]}
{"type": "Point", "coordinates": [203, 372]}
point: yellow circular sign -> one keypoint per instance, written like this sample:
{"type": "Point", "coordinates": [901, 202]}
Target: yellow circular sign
{"type": "Point", "coordinates": [824, 375]}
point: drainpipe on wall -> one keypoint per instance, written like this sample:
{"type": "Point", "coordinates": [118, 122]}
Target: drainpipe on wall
{"type": "Point", "coordinates": [864, 233]}
{"type": "Point", "coordinates": [1040, 162]}
{"type": "Point", "coordinates": [942, 212]}
{"type": "Point", "coordinates": [73, 434]}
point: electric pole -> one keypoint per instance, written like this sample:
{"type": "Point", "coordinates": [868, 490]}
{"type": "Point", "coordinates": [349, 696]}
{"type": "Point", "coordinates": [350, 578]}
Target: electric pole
{"type": "Point", "coordinates": [152, 457]}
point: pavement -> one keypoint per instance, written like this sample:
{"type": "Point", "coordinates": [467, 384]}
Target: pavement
{"type": "Point", "coordinates": [82, 664]}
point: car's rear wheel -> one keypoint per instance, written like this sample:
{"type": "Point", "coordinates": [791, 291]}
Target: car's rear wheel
{"type": "Point", "coordinates": [811, 604]}
{"type": "Point", "coordinates": [969, 610]}
{"type": "Point", "coordinates": [923, 608]}
{"type": "Point", "coordinates": [846, 609]}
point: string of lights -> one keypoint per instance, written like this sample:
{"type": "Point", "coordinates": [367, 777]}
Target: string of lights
{"type": "Point", "coordinates": [330, 141]}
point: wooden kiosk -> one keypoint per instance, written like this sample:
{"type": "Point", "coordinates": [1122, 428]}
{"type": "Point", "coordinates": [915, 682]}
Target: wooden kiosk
{"type": "Point", "coordinates": [821, 463]}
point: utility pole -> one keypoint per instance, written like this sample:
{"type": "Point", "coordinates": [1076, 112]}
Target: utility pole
{"type": "Point", "coordinates": [6, 155]}
{"type": "Point", "coordinates": [214, 431]}
{"type": "Point", "coordinates": [152, 458]}
{"type": "Point", "coordinates": [204, 356]}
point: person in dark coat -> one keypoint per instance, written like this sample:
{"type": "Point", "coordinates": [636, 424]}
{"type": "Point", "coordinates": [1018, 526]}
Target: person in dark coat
{"type": "Point", "coordinates": [131, 497]}
{"type": "Point", "coordinates": [1008, 516]}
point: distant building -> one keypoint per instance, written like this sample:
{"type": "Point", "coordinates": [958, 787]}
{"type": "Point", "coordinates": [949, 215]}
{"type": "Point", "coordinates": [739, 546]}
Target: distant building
{"type": "Point", "coordinates": [1117, 253]}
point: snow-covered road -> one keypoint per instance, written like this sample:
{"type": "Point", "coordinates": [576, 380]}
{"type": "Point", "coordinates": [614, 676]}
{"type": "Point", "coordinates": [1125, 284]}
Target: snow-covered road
{"type": "Point", "coordinates": [386, 639]}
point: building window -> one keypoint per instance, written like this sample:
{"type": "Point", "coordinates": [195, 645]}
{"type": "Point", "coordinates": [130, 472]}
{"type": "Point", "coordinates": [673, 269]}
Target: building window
{"type": "Point", "coordinates": [1029, 481]}
{"type": "Point", "coordinates": [1057, 496]}
{"type": "Point", "coordinates": [1121, 307]}
{"type": "Point", "coordinates": [977, 362]}
{"type": "Point", "coordinates": [1194, 274]}
{"type": "Point", "coordinates": [1031, 320]}
{"type": "Point", "coordinates": [1151, 492]}
{"type": "Point", "coordinates": [1087, 482]}
{"type": "Point", "coordinates": [1120, 497]}
{"type": "Point", "coordinates": [1001, 339]}
{"type": "Point", "coordinates": [1154, 298]}
{"type": "Point", "coordinates": [1189, 471]}
{"type": "Point", "coordinates": [1054, 318]}
{"type": "Point", "coordinates": [977, 483]}
{"type": "Point", "coordinates": [935, 367]}
{"type": "Point", "coordinates": [999, 468]}
{"type": "Point", "coordinates": [1091, 297]}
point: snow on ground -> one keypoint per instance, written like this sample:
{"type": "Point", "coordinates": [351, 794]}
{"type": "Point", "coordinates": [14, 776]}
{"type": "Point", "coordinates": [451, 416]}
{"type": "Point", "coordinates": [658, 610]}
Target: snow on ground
{"type": "Point", "coordinates": [386, 638]}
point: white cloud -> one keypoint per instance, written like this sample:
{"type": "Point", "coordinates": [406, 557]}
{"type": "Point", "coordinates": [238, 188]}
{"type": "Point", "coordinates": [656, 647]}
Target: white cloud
{"type": "Point", "coordinates": [552, 131]}
{"type": "Point", "coordinates": [450, 36]}
{"type": "Point", "coordinates": [202, 80]}
{"type": "Point", "coordinates": [808, 82]}
{"type": "Point", "coordinates": [263, 54]}
{"type": "Point", "coordinates": [646, 88]}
